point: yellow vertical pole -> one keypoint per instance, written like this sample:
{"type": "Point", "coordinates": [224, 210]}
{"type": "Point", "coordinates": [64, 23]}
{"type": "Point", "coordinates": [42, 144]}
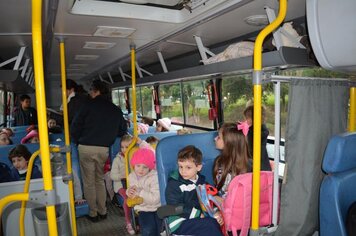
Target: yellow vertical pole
{"type": "Point", "coordinates": [66, 134]}
{"type": "Point", "coordinates": [257, 116]}
{"type": "Point", "coordinates": [352, 119]}
{"type": "Point", "coordinates": [134, 110]}
{"type": "Point", "coordinates": [133, 94]}
{"type": "Point", "coordinates": [41, 109]}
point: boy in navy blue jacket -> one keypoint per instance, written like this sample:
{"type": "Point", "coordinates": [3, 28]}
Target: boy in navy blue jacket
{"type": "Point", "coordinates": [19, 157]}
{"type": "Point", "coordinates": [181, 190]}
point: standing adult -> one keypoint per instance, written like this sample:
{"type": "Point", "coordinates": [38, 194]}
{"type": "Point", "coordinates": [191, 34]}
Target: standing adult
{"type": "Point", "coordinates": [94, 129]}
{"type": "Point", "coordinates": [25, 114]}
{"type": "Point", "coordinates": [75, 99]}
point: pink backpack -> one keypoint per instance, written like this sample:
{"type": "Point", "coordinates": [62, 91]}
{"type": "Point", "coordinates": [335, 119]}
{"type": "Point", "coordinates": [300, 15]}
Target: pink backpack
{"type": "Point", "coordinates": [237, 204]}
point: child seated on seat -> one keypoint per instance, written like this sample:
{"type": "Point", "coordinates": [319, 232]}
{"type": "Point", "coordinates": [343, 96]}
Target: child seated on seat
{"type": "Point", "coordinates": [19, 157]}
{"type": "Point", "coordinates": [234, 158]}
{"type": "Point", "coordinates": [31, 137]}
{"type": "Point", "coordinates": [183, 131]}
{"type": "Point", "coordinates": [118, 175]}
{"type": "Point", "coordinates": [145, 190]}
{"type": "Point", "coordinates": [53, 128]}
{"type": "Point", "coordinates": [163, 125]}
{"type": "Point", "coordinates": [4, 139]}
{"type": "Point", "coordinates": [181, 190]}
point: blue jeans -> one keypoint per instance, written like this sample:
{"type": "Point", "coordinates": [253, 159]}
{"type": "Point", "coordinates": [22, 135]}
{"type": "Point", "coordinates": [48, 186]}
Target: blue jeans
{"type": "Point", "coordinates": [150, 224]}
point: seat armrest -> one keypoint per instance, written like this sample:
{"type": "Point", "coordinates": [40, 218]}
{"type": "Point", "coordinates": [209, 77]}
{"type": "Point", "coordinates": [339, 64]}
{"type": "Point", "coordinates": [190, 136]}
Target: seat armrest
{"type": "Point", "coordinates": [169, 210]}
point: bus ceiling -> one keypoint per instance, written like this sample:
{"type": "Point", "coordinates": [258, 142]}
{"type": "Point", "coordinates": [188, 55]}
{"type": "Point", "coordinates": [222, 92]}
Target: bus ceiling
{"type": "Point", "coordinates": [11, 81]}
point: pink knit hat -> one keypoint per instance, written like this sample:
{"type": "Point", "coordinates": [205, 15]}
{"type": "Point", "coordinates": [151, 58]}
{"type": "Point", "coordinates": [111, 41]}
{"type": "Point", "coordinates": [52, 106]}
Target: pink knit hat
{"type": "Point", "coordinates": [144, 156]}
{"type": "Point", "coordinates": [165, 123]}
{"type": "Point", "coordinates": [142, 128]}
{"type": "Point", "coordinates": [31, 134]}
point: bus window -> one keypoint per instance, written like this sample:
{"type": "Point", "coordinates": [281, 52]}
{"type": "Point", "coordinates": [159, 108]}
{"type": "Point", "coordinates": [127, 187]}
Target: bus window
{"type": "Point", "coordinates": [2, 104]}
{"type": "Point", "coordinates": [147, 102]}
{"type": "Point", "coordinates": [237, 94]}
{"type": "Point", "coordinates": [118, 98]}
{"type": "Point", "coordinates": [196, 103]}
{"type": "Point", "coordinates": [171, 104]}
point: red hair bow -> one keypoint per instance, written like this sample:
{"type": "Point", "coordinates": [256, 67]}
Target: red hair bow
{"type": "Point", "coordinates": [243, 126]}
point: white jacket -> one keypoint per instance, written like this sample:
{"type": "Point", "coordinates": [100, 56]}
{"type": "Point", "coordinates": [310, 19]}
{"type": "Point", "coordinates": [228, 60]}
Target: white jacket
{"type": "Point", "coordinates": [118, 171]}
{"type": "Point", "coordinates": [149, 187]}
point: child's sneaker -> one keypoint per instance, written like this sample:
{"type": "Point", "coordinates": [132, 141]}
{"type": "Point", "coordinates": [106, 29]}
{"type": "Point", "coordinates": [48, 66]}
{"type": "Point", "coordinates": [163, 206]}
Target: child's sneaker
{"type": "Point", "coordinates": [130, 229]}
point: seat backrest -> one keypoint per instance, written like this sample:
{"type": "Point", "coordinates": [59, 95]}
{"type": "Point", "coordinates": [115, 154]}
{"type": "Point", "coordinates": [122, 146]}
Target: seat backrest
{"type": "Point", "coordinates": [237, 204]}
{"type": "Point", "coordinates": [167, 152]}
{"type": "Point", "coordinates": [337, 191]}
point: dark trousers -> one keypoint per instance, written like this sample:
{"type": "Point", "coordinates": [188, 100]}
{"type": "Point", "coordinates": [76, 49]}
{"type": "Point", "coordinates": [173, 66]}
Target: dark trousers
{"type": "Point", "coordinates": [199, 227]}
{"type": "Point", "coordinates": [150, 224]}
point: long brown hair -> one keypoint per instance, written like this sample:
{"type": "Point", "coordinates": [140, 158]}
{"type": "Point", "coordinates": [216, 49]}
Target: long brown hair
{"type": "Point", "coordinates": [234, 155]}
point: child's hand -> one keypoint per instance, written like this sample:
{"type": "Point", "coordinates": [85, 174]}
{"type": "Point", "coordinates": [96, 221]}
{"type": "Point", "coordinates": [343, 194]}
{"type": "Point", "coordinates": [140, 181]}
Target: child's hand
{"type": "Point", "coordinates": [219, 218]}
{"type": "Point", "coordinates": [131, 192]}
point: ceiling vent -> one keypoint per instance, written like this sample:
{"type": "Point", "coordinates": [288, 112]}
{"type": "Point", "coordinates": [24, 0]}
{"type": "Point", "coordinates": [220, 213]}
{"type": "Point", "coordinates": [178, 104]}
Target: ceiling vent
{"type": "Point", "coordinates": [98, 45]}
{"type": "Point", "coordinates": [113, 32]}
{"type": "Point", "coordinates": [86, 57]}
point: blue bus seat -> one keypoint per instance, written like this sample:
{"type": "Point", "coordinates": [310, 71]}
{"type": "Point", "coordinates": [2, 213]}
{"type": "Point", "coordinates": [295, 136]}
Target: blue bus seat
{"type": "Point", "coordinates": [151, 129]}
{"type": "Point", "coordinates": [337, 191]}
{"type": "Point", "coordinates": [16, 139]}
{"type": "Point", "coordinates": [56, 137]}
{"type": "Point", "coordinates": [19, 128]}
{"type": "Point", "coordinates": [167, 152]}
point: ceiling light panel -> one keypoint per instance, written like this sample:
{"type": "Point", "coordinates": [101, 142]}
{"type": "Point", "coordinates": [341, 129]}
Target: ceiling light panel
{"type": "Point", "coordinates": [113, 32]}
{"type": "Point", "coordinates": [98, 45]}
{"type": "Point", "coordinates": [86, 57]}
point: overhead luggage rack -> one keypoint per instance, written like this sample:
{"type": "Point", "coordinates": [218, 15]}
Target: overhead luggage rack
{"type": "Point", "coordinates": [285, 57]}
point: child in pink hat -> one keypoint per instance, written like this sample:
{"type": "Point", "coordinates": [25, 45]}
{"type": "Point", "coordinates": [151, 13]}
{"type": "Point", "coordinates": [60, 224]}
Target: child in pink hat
{"type": "Point", "coordinates": [144, 187]}
{"type": "Point", "coordinates": [31, 137]}
{"type": "Point", "coordinates": [142, 128]}
{"type": "Point", "coordinates": [163, 125]}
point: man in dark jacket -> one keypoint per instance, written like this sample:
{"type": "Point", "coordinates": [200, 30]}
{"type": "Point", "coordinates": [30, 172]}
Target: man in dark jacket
{"type": "Point", "coordinates": [94, 129]}
{"type": "Point", "coordinates": [25, 114]}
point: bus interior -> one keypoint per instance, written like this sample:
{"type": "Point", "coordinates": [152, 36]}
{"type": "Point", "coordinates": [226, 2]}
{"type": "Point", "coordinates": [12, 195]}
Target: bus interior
{"type": "Point", "coordinates": [187, 58]}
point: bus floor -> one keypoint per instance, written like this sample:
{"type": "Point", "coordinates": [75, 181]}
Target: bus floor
{"type": "Point", "coordinates": [113, 225]}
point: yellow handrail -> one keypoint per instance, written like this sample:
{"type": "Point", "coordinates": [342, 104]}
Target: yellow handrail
{"type": "Point", "coordinates": [11, 198]}
{"type": "Point", "coordinates": [25, 190]}
{"type": "Point", "coordinates": [41, 109]}
{"type": "Point", "coordinates": [134, 111]}
{"type": "Point", "coordinates": [67, 137]}
{"type": "Point", "coordinates": [352, 119]}
{"type": "Point", "coordinates": [257, 123]}
{"type": "Point", "coordinates": [133, 92]}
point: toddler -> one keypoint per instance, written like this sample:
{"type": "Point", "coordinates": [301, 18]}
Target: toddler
{"type": "Point", "coordinates": [143, 183]}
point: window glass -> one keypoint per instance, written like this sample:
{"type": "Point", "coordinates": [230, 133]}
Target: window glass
{"type": "Point", "coordinates": [237, 93]}
{"type": "Point", "coordinates": [118, 98]}
{"type": "Point", "coordinates": [2, 102]}
{"type": "Point", "coordinates": [147, 102]}
{"type": "Point", "coordinates": [171, 104]}
{"type": "Point", "coordinates": [196, 103]}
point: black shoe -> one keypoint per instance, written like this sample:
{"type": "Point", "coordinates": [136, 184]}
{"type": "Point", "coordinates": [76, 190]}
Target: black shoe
{"type": "Point", "coordinates": [93, 219]}
{"type": "Point", "coordinates": [102, 217]}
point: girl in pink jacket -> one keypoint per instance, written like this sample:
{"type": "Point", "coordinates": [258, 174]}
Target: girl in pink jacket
{"type": "Point", "coordinates": [144, 188]}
